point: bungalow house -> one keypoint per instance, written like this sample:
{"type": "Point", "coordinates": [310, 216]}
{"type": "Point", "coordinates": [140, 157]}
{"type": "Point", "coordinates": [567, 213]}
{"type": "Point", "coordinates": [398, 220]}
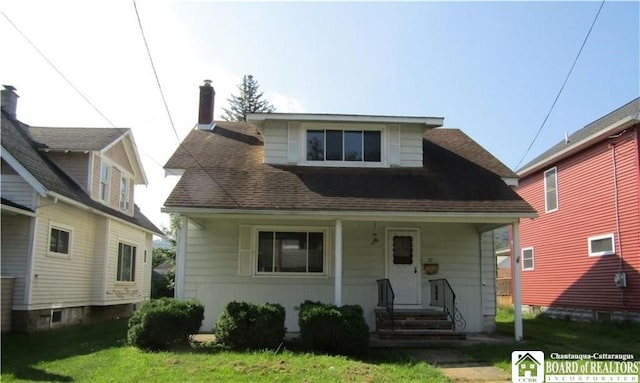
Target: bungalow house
{"type": "Point", "coordinates": [581, 256]}
{"type": "Point", "coordinates": [343, 209]}
{"type": "Point", "coordinates": [75, 247]}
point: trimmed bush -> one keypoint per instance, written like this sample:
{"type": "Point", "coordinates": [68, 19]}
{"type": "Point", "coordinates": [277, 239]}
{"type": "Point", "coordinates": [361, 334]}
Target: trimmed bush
{"type": "Point", "coordinates": [162, 323]}
{"type": "Point", "coordinates": [243, 326]}
{"type": "Point", "coordinates": [333, 330]}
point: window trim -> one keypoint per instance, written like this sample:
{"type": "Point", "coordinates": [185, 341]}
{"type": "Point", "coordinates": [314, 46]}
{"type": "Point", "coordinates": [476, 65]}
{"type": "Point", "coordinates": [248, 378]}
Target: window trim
{"type": "Point", "coordinates": [546, 200]}
{"type": "Point", "coordinates": [533, 257]}
{"type": "Point", "coordinates": [60, 227]}
{"type": "Point", "coordinates": [127, 203]}
{"type": "Point", "coordinates": [601, 253]}
{"type": "Point", "coordinates": [107, 183]}
{"type": "Point", "coordinates": [384, 157]}
{"type": "Point", "coordinates": [325, 230]}
{"type": "Point", "coordinates": [135, 256]}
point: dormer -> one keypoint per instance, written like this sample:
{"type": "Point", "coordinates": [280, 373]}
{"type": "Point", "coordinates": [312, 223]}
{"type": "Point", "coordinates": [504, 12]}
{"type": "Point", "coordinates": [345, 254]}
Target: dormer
{"type": "Point", "coordinates": [342, 140]}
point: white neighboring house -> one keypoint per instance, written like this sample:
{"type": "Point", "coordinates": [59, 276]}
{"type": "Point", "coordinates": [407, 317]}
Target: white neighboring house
{"type": "Point", "coordinates": [75, 247]}
{"type": "Point", "coordinates": [289, 207]}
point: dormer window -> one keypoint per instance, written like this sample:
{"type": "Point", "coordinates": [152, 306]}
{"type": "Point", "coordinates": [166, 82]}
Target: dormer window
{"type": "Point", "coordinates": [124, 193]}
{"type": "Point", "coordinates": [344, 145]}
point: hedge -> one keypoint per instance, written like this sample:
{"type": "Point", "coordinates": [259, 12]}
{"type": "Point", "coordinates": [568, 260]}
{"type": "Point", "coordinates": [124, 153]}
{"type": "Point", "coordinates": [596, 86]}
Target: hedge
{"type": "Point", "coordinates": [243, 326]}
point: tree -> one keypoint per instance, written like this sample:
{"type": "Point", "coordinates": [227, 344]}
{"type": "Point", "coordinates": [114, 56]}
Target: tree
{"type": "Point", "coordinates": [249, 101]}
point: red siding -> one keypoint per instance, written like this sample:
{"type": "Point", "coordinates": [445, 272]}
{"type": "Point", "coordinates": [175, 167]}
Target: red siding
{"type": "Point", "coordinates": [564, 275]}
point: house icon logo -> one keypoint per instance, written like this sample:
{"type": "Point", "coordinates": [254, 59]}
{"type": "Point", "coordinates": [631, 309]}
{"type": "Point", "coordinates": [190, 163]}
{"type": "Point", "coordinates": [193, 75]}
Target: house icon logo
{"type": "Point", "coordinates": [527, 366]}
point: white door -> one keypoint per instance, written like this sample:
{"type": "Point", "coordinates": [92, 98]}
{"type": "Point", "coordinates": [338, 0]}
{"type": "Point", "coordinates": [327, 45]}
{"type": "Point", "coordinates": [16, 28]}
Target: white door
{"type": "Point", "coordinates": [403, 265]}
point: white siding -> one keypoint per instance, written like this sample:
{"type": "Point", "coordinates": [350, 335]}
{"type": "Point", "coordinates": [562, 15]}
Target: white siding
{"type": "Point", "coordinates": [211, 268]}
{"type": "Point", "coordinates": [411, 146]}
{"type": "Point", "coordinates": [101, 233]}
{"type": "Point", "coordinates": [276, 142]}
{"type": "Point", "coordinates": [488, 266]}
{"type": "Point", "coordinates": [17, 190]}
{"type": "Point", "coordinates": [15, 252]}
{"type": "Point", "coordinates": [76, 165]}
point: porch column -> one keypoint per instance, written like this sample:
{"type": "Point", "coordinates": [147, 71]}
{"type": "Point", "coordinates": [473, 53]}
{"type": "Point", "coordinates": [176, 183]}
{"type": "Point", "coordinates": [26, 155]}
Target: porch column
{"type": "Point", "coordinates": [517, 301]}
{"type": "Point", "coordinates": [181, 257]}
{"type": "Point", "coordinates": [338, 270]}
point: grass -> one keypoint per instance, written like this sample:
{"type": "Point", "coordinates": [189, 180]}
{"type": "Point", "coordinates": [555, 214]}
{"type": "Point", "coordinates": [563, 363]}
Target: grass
{"type": "Point", "coordinates": [97, 353]}
{"type": "Point", "coordinates": [557, 335]}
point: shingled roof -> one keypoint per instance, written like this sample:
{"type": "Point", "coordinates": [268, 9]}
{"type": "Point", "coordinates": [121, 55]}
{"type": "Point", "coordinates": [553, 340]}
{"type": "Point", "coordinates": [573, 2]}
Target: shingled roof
{"type": "Point", "coordinates": [17, 142]}
{"type": "Point", "coordinates": [74, 138]}
{"type": "Point", "coordinates": [224, 169]}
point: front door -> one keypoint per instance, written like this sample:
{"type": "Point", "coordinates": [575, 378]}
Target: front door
{"type": "Point", "coordinates": [403, 265]}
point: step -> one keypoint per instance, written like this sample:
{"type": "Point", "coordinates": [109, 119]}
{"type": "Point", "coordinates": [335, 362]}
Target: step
{"type": "Point", "coordinates": [414, 324]}
{"type": "Point", "coordinates": [412, 334]}
{"type": "Point", "coordinates": [412, 314]}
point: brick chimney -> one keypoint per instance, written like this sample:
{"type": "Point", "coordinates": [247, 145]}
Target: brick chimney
{"type": "Point", "coordinates": [205, 111]}
{"type": "Point", "coordinates": [9, 100]}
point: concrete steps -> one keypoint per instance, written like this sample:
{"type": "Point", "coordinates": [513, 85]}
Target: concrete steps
{"type": "Point", "coordinates": [415, 325]}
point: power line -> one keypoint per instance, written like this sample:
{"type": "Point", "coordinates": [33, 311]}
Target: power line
{"type": "Point", "coordinates": [584, 42]}
{"type": "Point", "coordinates": [155, 73]}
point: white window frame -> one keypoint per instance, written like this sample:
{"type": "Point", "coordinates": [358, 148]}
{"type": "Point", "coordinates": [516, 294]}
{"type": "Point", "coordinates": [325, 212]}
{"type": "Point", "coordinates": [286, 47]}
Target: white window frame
{"type": "Point", "coordinates": [105, 183]}
{"type": "Point", "coordinates": [135, 256]}
{"type": "Point", "coordinates": [125, 203]}
{"type": "Point", "coordinates": [61, 227]}
{"type": "Point", "coordinates": [305, 127]}
{"type": "Point", "coordinates": [292, 229]}
{"type": "Point", "coordinates": [532, 258]}
{"type": "Point", "coordinates": [546, 190]}
{"type": "Point", "coordinates": [601, 253]}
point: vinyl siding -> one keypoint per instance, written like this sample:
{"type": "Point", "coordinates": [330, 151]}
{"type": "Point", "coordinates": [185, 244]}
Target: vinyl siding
{"type": "Point", "coordinates": [76, 165]}
{"type": "Point", "coordinates": [15, 252]}
{"type": "Point", "coordinates": [276, 135]}
{"type": "Point", "coordinates": [211, 268]}
{"type": "Point", "coordinates": [411, 146]}
{"type": "Point", "coordinates": [17, 190]}
{"type": "Point", "coordinates": [564, 275]}
{"type": "Point", "coordinates": [118, 155]}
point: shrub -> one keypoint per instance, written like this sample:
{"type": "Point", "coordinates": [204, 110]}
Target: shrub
{"type": "Point", "coordinates": [245, 325]}
{"type": "Point", "coordinates": [334, 330]}
{"type": "Point", "coordinates": [162, 323]}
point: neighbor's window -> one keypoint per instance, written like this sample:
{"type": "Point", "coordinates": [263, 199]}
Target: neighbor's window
{"type": "Point", "coordinates": [527, 258]}
{"type": "Point", "coordinates": [551, 190]}
{"type": "Point", "coordinates": [601, 245]}
{"type": "Point", "coordinates": [124, 193]}
{"type": "Point", "coordinates": [59, 240]}
{"type": "Point", "coordinates": [104, 182]}
{"type": "Point", "coordinates": [290, 252]}
{"type": "Point", "coordinates": [344, 145]}
{"type": "Point", "coordinates": [126, 263]}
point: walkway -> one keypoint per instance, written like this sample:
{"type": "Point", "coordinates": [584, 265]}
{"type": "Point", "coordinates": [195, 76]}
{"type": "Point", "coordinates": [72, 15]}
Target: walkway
{"type": "Point", "coordinates": [460, 367]}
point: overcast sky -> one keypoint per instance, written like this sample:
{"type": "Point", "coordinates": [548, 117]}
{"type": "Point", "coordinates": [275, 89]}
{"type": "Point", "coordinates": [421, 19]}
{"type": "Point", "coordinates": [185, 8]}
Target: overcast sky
{"type": "Point", "coordinates": [491, 69]}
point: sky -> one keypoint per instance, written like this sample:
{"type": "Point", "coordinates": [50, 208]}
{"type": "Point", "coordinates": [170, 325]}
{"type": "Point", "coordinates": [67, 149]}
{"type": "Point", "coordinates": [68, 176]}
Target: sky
{"type": "Point", "coordinates": [491, 69]}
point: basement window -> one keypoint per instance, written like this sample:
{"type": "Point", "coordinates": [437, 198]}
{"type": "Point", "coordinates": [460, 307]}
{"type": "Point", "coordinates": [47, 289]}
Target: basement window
{"type": "Point", "coordinates": [56, 316]}
{"type": "Point", "coordinates": [601, 245]}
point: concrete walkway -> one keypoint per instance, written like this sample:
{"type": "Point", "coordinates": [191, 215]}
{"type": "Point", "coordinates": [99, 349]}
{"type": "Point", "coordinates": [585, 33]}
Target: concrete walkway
{"type": "Point", "coordinates": [458, 366]}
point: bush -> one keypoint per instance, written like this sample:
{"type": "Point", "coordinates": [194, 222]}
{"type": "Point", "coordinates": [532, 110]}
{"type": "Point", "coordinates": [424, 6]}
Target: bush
{"type": "Point", "coordinates": [244, 326]}
{"type": "Point", "coordinates": [162, 323]}
{"type": "Point", "coordinates": [334, 330]}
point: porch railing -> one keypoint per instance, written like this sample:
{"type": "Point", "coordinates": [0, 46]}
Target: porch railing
{"type": "Point", "coordinates": [442, 295]}
{"type": "Point", "coordinates": [386, 297]}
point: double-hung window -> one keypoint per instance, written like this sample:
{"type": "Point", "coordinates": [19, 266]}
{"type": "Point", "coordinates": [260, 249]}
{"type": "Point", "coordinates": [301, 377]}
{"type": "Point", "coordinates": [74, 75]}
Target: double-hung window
{"type": "Point", "coordinates": [289, 252]}
{"type": "Point", "coordinates": [344, 145]}
{"type": "Point", "coordinates": [527, 258]}
{"type": "Point", "coordinates": [124, 193]}
{"type": "Point", "coordinates": [551, 190]}
{"type": "Point", "coordinates": [104, 181]}
{"type": "Point", "coordinates": [126, 263]}
{"type": "Point", "coordinates": [59, 240]}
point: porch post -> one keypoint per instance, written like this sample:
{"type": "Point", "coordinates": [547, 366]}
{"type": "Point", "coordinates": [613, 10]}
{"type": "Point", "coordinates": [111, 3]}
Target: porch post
{"type": "Point", "coordinates": [338, 270]}
{"type": "Point", "coordinates": [181, 257]}
{"type": "Point", "coordinates": [517, 301]}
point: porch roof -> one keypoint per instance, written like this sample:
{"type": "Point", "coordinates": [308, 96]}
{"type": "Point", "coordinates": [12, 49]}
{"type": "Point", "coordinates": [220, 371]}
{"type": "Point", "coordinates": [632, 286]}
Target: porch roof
{"type": "Point", "coordinates": [224, 169]}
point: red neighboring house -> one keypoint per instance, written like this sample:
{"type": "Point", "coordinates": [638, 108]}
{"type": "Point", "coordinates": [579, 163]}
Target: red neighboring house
{"type": "Point", "coordinates": [581, 256]}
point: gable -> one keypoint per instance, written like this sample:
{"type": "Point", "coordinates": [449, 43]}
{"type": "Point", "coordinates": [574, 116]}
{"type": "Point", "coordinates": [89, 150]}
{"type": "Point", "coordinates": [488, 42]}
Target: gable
{"type": "Point", "coordinates": [118, 154]}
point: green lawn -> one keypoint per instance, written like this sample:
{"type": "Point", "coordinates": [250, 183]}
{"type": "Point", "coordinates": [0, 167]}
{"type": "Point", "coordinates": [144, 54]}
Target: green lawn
{"type": "Point", "coordinates": [97, 353]}
{"type": "Point", "coordinates": [561, 336]}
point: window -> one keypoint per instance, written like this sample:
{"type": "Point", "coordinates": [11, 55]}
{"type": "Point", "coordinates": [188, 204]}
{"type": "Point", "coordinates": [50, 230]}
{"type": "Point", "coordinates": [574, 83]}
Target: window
{"type": "Point", "coordinates": [290, 252]}
{"type": "Point", "coordinates": [56, 316]}
{"type": "Point", "coordinates": [124, 193]}
{"type": "Point", "coordinates": [104, 182]}
{"type": "Point", "coordinates": [59, 240]}
{"type": "Point", "coordinates": [551, 190]}
{"type": "Point", "coordinates": [126, 263]}
{"type": "Point", "coordinates": [601, 245]}
{"type": "Point", "coordinates": [527, 258]}
{"type": "Point", "coordinates": [344, 145]}
{"type": "Point", "coordinates": [402, 250]}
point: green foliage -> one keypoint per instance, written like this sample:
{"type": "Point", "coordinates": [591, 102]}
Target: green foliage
{"type": "Point", "coordinates": [249, 101]}
{"type": "Point", "coordinates": [162, 323]}
{"type": "Point", "coordinates": [245, 325]}
{"type": "Point", "coordinates": [334, 330]}
{"type": "Point", "coordinates": [161, 255]}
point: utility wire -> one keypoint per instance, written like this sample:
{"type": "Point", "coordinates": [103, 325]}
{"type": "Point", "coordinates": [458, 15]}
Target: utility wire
{"type": "Point", "coordinates": [155, 73]}
{"type": "Point", "coordinates": [584, 42]}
